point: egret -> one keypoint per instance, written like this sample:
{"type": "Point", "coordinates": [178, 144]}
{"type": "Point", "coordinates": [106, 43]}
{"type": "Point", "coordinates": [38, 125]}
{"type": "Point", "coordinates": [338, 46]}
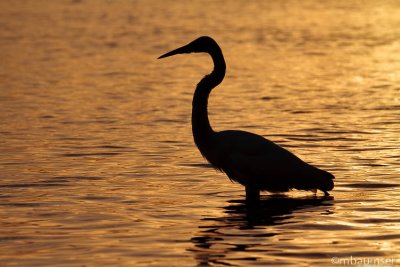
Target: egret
{"type": "Point", "coordinates": [249, 159]}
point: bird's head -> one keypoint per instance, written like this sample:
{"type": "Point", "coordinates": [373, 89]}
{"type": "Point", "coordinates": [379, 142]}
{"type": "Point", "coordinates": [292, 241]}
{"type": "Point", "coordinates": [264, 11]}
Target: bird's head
{"type": "Point", "coordinates": [202, 44]}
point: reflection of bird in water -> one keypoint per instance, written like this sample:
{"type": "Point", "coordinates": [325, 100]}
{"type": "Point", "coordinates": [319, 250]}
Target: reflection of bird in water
{"type": "Point", "coordinates": [246, 229]}
{"type": "Point", "coordinates": [247, 158]}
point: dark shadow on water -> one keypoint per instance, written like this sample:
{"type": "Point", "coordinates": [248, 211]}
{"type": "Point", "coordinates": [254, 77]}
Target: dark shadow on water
{"type": "Point", "coordinates": [246, 228]}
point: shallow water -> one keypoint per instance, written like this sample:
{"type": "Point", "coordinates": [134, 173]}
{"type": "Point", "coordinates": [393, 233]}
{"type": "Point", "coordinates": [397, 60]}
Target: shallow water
{"type": "Point", "coordinates": [98, 166]}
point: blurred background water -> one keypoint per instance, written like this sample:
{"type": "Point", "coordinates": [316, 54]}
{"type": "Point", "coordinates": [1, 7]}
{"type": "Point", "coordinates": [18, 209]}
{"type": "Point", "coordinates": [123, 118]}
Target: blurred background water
{"type": "Point", "coordinates": [97, 161]}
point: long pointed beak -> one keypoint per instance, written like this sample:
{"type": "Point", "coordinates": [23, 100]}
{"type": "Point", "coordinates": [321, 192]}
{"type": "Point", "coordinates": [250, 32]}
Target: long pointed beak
{"type": "Point", "coordinates": [180, 50]}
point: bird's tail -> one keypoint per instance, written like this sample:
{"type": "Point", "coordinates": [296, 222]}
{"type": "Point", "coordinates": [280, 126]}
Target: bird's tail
{"type": "Point", "coordinates": [321, 180]}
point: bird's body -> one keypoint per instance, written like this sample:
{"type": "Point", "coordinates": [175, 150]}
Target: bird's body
{"type": "Point", "coordinates": [257, 162]}
{"type": "Point", "coordinates": [247, 158]}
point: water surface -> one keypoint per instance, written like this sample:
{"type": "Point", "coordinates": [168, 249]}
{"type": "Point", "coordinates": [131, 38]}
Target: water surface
{"type": "Point", "coordinates": [97, 161]}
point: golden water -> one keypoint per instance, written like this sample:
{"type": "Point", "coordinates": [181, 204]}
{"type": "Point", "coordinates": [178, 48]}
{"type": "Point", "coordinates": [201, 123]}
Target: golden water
{"type": "Point", "coordinates": [97, 162]}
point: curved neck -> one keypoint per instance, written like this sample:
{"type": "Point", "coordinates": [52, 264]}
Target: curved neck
{"type": "Point", "coordinates": [201, 128]}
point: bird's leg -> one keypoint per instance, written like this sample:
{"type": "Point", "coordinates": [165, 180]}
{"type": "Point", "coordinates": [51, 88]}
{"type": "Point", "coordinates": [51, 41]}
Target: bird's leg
{"type": "Point", "coordinates": [252, 194]}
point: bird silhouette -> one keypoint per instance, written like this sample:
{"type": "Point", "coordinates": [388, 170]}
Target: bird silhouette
{"type": "Point", "coordinates": [249, 159]}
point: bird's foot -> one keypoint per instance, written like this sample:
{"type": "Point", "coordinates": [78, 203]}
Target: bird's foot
{"type": "Point", "coordinates": [252, 195]}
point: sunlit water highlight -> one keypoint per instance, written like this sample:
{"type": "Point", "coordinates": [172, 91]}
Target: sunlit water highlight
{"type": "Point", "coordinates": [98, 166]}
